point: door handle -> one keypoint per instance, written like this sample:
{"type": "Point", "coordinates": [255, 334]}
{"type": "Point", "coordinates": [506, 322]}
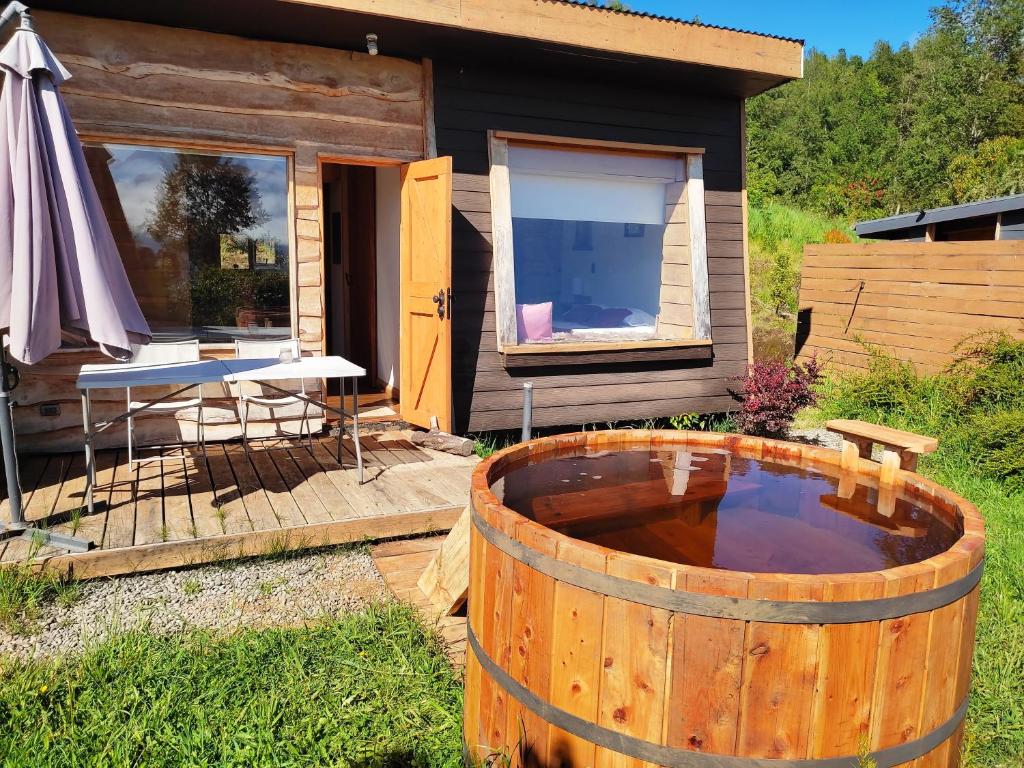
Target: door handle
{"type": "Point", "coordinates": [439, 299]}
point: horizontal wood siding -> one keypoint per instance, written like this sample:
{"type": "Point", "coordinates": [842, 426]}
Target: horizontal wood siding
{"type": "Point", "coordinates": [918, 301]}
{"type": "Point", "coordinates": [144, 82]}
{"type": "Point", "coordinates": [469, 101]}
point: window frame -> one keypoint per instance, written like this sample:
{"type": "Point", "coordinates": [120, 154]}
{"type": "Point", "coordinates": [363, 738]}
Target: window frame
{"type": "Point", "coordinates": [219, 148]}
{"type": "Point", "coordinates": [503, 265]}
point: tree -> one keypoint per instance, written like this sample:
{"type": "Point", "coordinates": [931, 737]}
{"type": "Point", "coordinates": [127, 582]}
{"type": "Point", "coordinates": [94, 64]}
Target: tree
{"type": "Point", "coordinates": [995, 169]}
{"type": "Point", "coordinates": [865, 137]}
{"type": "Point", "coordinates": [202, 197]}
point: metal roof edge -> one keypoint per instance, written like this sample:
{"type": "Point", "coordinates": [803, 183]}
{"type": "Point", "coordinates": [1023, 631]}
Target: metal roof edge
{"type": "Point", "coordinates": [944, 213]}
{"type": "Point", "coordinates": [675, 19]}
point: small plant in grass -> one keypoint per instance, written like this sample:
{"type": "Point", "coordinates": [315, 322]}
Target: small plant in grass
{"type": "Point", "coordinates": [24, 593]}
{"type": "Point", "coordinates": [703, 422]}
{"type": "Point", "coordinates": [191, 587]}
{"type": "Point", "coordinates": [221, 518]}
{"type": "Point", "coordinates": [771, 394]}
{"type": "Point", "coordinates": [75, 520]}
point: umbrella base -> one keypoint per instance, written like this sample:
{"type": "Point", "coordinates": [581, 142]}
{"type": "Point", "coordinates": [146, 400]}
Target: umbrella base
{"type": "Point", "coordinates": [43, 537]}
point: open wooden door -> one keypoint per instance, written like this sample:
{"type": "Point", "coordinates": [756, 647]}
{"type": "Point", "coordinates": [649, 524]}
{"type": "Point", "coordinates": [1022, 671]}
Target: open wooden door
{"type": "Point", "coordinates": [426, 278]}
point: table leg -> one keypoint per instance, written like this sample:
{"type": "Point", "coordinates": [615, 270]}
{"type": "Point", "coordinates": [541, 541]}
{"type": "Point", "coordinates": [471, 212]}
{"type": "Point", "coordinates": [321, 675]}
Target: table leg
{"type": "Point", "coordinates": [341, 420]}
{"type": "Point", "coordinates": [90, 460]}
{"type": "Point", "coordinates": [355, 426]}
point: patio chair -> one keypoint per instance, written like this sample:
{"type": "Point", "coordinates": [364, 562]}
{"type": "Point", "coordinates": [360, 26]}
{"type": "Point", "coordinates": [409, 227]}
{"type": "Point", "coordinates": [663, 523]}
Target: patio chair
{"type": "Point", "coordinates": [254, 393]}
{"type": "Point", "coordinates": [159, 354]}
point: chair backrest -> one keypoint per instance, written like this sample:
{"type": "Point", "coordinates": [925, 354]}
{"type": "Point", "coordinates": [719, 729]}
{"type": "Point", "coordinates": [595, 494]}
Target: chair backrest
{"type": "Point", "coordinates": [250, 349]}
{"type": "Point", "coordinates": [166, 352]}
{"type": "Point", "coordinates": [158, 353]}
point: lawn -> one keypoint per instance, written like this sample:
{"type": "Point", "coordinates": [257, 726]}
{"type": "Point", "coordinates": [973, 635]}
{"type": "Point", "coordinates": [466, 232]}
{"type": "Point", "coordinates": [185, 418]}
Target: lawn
{"type": "Point", "coordinates": [369, 689]}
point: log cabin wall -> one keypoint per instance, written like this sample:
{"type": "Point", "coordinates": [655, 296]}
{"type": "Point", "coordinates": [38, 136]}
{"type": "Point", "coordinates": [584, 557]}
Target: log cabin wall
{"type": "Point", "coordinates": [136, 82]}
{"type": "Point", "coordinates": [469, 101]}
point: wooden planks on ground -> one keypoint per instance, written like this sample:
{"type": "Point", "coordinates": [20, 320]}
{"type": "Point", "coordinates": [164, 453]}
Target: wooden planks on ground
{"type": "Point", "coordinates": [916, 301]}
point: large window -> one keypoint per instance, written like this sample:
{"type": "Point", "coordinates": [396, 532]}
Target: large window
{"type": "Point", "coordinates": [602, 246]}
{"type": "Point", "coordinates": [204, 237]}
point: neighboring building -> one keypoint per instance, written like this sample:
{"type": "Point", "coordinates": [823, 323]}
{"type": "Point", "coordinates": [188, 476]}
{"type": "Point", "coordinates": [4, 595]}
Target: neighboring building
{"type": "Point", "coordinates": [510, 191]}
{"type": "Point", "coordinates": [1001, 218]}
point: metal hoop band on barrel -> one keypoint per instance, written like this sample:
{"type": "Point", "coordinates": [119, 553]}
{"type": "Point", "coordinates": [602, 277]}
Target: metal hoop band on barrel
{"type": "Point", "coordinates": [673, 757]}
{"type": "Point", "coordinates": [721, 607]}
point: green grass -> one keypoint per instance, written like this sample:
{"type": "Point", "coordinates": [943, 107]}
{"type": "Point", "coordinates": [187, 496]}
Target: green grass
{"type": "Point", "coordinates": [25, 592]}
{"type": "Point", "coordinates": [968, 408]}
{"type": "Point", "coordinates": [369, 689]}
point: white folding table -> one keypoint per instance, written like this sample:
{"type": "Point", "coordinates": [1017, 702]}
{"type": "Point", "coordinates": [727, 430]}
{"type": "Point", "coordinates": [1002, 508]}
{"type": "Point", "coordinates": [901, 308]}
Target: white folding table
{"type": "Point", "coordinates": [192, 374]}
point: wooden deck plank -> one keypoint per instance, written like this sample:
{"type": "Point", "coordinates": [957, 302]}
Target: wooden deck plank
{"type": "Point", "coordinates": [262, 515]}
{"type": "Point", "coordinates": [69, 512]}
{"type": "Point", "coordinates": [201, 498]}
{"type": "Point", "coordinates": [331, 491]}
{"type": "Point", "coordinates": [149, 504]}
{"type": "Point", "coordinates": [30, 470]}
{"type": "Point", "coordinates": [174, 554]}
{"type": "Point", "coordinates": [366, 499]}
{"type": "Point", "coordinates": [302, 492]}
{"type": "Point", "coordinates": [178, 523]}
{"type": "Point", "coordinates": [230, 511]}
{"type": "Point", "coordinates": [41, 503]}
{"type": "Point", "coordinates": [278, 493]}
{"type": "Point", "coordinates": [411, 485]}
{"type": "Point", "coordinates": [120, 530]}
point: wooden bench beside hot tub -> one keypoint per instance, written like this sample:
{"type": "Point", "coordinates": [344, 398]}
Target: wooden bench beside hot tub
{"type": "Point", "coordinates": [588, 656]}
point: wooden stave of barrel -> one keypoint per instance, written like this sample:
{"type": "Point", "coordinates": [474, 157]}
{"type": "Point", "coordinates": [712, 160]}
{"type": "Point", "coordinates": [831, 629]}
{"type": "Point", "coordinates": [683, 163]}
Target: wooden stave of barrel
{"type": "Point", "coordinates": [726, 688]}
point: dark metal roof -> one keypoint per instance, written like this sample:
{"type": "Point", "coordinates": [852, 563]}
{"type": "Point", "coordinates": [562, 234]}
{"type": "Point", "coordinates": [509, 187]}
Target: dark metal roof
{"type": "Point", "coordinates": [936, 215]}
{"type": "Point", "coordinates": [674, 19]}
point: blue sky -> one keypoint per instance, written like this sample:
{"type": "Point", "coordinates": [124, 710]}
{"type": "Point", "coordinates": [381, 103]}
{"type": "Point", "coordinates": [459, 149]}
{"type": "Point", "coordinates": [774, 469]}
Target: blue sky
{"type": "Point", "coordinates": [825, 24]}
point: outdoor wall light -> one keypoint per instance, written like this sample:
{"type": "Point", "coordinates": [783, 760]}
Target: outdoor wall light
{"type": "Point", "coordinates": [371, 44]}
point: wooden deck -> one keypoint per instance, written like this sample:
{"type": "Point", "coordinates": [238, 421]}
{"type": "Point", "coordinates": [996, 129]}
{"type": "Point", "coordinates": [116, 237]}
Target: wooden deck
{"type": "Point", "coordinates": [401, 563]}
{"type": "Point", "coordinates": [155, 516]}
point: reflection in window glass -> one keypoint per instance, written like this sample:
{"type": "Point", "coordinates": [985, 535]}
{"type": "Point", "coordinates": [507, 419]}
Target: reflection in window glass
{"type": "Point", "coordinates": [204, 237]}
{"type": "Point", "coordinates": [588, 234]}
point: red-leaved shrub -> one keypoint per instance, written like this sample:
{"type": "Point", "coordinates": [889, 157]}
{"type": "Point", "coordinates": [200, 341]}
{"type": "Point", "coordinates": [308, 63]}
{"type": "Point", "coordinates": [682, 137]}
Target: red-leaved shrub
{"type": "Point", "coordinates": [772, 392]}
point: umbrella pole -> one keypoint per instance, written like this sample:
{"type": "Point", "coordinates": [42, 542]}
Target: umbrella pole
{"type": "Point", "coordinates": [39, 537]}
{"type": "Point", "coordinates": [17, 522]}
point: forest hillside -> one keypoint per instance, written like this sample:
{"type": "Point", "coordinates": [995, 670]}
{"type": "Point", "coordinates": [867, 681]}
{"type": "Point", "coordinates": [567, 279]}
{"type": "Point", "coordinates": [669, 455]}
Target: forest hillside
{"type": "Point", "coordinates": [938, 121]}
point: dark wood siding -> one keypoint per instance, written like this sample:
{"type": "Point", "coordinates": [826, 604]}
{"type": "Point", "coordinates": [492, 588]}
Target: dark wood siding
{"type": "Point", "coordinates": [1012, 227]}
{"type": "Point", "coordinates": [471, 100]}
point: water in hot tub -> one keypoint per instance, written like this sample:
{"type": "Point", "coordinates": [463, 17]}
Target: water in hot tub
{"type": "Point", "coordinates": [718, 510]}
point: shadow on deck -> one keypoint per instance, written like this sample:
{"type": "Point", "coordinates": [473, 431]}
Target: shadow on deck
{"type": "Point", "coordinates": [183, 512]}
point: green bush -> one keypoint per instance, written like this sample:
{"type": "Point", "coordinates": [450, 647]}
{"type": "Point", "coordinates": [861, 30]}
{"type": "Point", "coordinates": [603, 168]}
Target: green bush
{"type": "Point", "coordinates": [997, 439]}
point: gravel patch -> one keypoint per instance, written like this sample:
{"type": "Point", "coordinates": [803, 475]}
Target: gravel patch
{"type": "Point", "coordinates": [824, 438]}
{"type": "Point", "coordinates": [285, 591]}
{"type": "Point", "coordinates": [817, 436]}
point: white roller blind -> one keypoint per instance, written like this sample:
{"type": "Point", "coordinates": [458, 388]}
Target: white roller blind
{"type": "Point", "coordinates": [590, 186]}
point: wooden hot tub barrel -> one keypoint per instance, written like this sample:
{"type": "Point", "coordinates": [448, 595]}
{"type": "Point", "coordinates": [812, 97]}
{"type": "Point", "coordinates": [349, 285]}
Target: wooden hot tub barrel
{"type": "Point", "coordinates": [583, 656]}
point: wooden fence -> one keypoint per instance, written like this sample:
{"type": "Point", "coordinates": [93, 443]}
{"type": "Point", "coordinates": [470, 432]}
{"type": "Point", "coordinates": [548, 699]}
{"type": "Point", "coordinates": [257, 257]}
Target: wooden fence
{"type": "Point", "coordinates": [914, 300]}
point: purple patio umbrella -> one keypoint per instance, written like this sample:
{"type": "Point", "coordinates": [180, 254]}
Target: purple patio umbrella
{"type": "Point", "coordinates": [60, 271]}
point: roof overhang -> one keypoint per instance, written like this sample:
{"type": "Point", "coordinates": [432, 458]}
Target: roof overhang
{"type": "Point", "coordinates": [877, 227]}
{"type": "Point", "coordinates": [598, 29]}
{"type": "Point", "coordinates": [545, 35]}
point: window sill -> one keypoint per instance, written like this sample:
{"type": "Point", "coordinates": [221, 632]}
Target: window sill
{"type": "Point", "coordinates": [598, 352]}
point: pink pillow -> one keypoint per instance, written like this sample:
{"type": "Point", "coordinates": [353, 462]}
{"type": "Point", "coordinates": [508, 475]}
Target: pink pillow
{"type": "Point", "coordinates": [533, 321]}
